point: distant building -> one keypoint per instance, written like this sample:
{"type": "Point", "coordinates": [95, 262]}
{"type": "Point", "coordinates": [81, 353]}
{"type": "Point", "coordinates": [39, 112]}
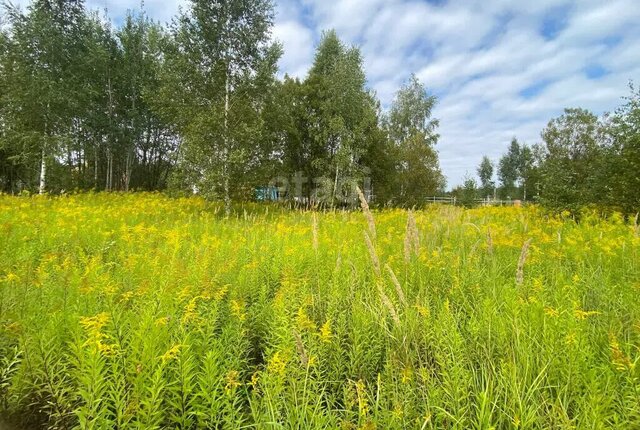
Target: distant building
{"type": "Point", "coordinates": [267, 194]}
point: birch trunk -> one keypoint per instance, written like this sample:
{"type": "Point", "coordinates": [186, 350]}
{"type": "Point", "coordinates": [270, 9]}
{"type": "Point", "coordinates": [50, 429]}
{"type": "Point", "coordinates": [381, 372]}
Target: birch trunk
{"type": "Point", "coordinates": [43, 171]}
{"type": "Point", "coordinates": [225, 152]}
{"type": "Point", "coordinates": [127, 175]}
{"type": "Point", "coordinates": [335, 187]}
{"type": "Point", "coordinates": [95, 169]}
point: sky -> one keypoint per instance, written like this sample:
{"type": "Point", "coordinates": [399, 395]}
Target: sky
{"type": "Point", "coordinates": [500, 68]}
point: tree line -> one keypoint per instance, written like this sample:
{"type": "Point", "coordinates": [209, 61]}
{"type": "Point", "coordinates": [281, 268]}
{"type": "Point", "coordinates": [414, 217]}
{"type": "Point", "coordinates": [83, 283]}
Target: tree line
{"type": "Point", "coordinates": [583, 160]}
{"type": "Point", "coordinates": [197, 106]}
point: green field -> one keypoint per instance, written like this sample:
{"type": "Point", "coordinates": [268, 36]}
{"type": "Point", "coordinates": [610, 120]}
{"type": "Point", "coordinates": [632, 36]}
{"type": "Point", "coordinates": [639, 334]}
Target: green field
{"type": "Point", "coordinates": [145, 312]}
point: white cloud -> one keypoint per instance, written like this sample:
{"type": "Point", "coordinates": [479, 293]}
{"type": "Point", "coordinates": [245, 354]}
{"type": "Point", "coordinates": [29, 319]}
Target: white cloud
{"type": "Point", "coordinates": [298, 43]}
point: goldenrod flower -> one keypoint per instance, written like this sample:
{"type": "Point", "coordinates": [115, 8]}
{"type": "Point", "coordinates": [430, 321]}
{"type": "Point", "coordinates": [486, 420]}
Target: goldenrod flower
{"type": "Point", "coordinates": [407, 375]}
{"type": "Point", "coordinates": [363, 402]}
{"type": "Point", "coordinates": [237, 309]}
{"type": "Point", "coordinates": [232, 381]}
{"type": "Point", "coordinates": [277, 364]}
{"type": "Point", "coordinates": [551, 312]}
{"type": "Point", "coordinates": [172, 353]}
{"type": "Point", "coordinates": [161, 322]}
{"type": "Point", "coordinates": [325, 332]}
{"type": "Point", "coordinates": [581, 315]}
{"type": "Point", "coordinates": [422, 311]}
{"type": "Point", "coordinates": [189, 311]}
{"type": "Point", "coordinates": [303, 321]}
{"type": "Point", "coordinates": [619, 359]}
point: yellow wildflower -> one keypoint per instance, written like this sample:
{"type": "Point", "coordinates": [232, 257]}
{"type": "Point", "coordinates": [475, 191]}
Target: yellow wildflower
{"type": "Point", "coordinates": [581, 315]}
{"type": "Point", "coordinates": [11, 277]}
{"type": "Point", "coordinates": [325, 332]}
{"type": "Point", "coordinates": [277, 364]}
{"type": "Point", "coordinates": [232, 380]}
{"type": "Point", "coordinates": [363, 402]}
{"type": "Point", "coordinates": [516, 421]}
{"type": "Point", "coordinates": [189, 311]}
{"type": "Point", "coordinates": [161, 322]}
{"type": "Point", "coordinates": [422, 311]}
{"type": "Point", "coordinates": [96, 322]}
{"type": "Point", "coordinates": [407, 375]}
{"type": "Point", "coordinates": [619, 359]}
{"type": "Point", "coordinates": [570, 339]}
{"type": "Point", "coordinates": [107, 349]}
{"type": "Point", "coordinates": [93, 327]}
{"type": "Point", "coordinates": [303, 321]}
{"type": "Point", "coordinates": [255, 379]}
{"type": "Point", "coordinates": [172, 353]}
{"type": "Point", "coordinates": [219, 295]}
{"type": "Point", "coordinates": [237, 309]}
{"type": "Point", "coordinates": [397, 412]}
{"type": "Point", "coordinates": [184, 293]}
{"type": "Point", "coordinates": [538, 285]}
{"type": "Point", "coordinates": [447, 306]}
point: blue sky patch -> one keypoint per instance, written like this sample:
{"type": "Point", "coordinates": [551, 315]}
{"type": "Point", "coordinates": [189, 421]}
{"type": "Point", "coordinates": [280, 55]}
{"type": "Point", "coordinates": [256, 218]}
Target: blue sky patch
{"type": "Point", "coordinates": [533, 90]}
{"type": "Point", "coordinates": [595, 71]}
{"type": "Point", "coordinates": [554, 21]}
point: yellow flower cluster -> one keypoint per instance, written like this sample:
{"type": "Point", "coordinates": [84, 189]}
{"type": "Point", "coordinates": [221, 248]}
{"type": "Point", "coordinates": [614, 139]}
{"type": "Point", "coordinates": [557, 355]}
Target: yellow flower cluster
{"type": "Point", "coordinates": [277, 363]}
{"type": "Point", "coordinates": [93, 327]}
{"type": "Point", "coordinates": [619, 359]}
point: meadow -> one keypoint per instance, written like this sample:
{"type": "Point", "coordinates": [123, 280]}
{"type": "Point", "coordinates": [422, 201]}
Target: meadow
{"type": "Point", "coordinates": [139, 311]}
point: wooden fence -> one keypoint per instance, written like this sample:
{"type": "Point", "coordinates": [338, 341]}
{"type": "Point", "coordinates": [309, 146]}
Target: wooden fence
{"type": "Point", "coordinates": [480, 202]}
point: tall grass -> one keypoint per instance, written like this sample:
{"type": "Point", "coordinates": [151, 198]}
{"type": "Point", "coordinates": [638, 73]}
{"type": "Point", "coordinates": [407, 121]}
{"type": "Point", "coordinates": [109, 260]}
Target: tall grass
{"type": "Point", "coordinates": [144, 312]}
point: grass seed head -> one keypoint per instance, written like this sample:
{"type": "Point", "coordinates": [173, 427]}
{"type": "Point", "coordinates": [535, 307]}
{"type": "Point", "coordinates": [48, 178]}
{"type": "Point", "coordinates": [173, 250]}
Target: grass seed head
{"type": "Point", "coordinates": [373, 254]}
{"type": "Point", "coordinates": [522, 261]}
{"type": "Point", "coordinates": [397, 286]}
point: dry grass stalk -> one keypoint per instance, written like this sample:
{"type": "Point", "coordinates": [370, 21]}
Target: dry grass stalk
{"type": "Point", "coordinates": [489, 241]}
{"type": "Point", "coordinates": [415, 234]}
{"type": "Point", "coordinates": [372, 252]}
{"type": "Point", "coordinates": [522, 261]}
{"type": "Point", "coordinates": [411, 238]}
{"type": "Point", "coordinates": [407, 250]}
{"type": "Point", "coordinates": [304, 357]}
{"type": "Point", "coordinates": [397, 285]}
{"type": "Point", "coordinates": [389, 305]}
{"type": "Point", "coordinates": [315, 231]}
{"type": "Point", "coordinates": [636, 228]}
{"type": "Point", "coordinates": [367, 213]}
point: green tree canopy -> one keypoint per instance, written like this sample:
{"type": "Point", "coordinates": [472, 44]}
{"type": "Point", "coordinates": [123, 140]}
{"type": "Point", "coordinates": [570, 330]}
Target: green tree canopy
{"type": "Point", "coordinates": [215, 72]}
{"type": "Point", "coordinates": [485, 173]}
{"type": "Point", "coordinates": [570, 177]}
{"type": "Point", "coordinates": [412, 130]}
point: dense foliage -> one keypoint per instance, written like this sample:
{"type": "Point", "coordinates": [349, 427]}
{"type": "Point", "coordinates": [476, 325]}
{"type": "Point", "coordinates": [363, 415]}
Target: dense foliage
{"type": "Point", "coordinates": [197, 106]}
{"type": "Point", "coordinates": [583, 160]}
{"type": "Point", "coordinates": [139, 311]}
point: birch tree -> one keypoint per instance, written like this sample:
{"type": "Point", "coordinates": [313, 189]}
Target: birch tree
{"type": "Point", "coordinates": [44, 50]}
{"type": "Point", "coordinates": [219, 48]}
{"type": "Point", "coordinates": [413, 130]}
{"type": "Point", "coordinates": [485, 173]}
{"type": "Point", "coordinates": [342, 114]}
